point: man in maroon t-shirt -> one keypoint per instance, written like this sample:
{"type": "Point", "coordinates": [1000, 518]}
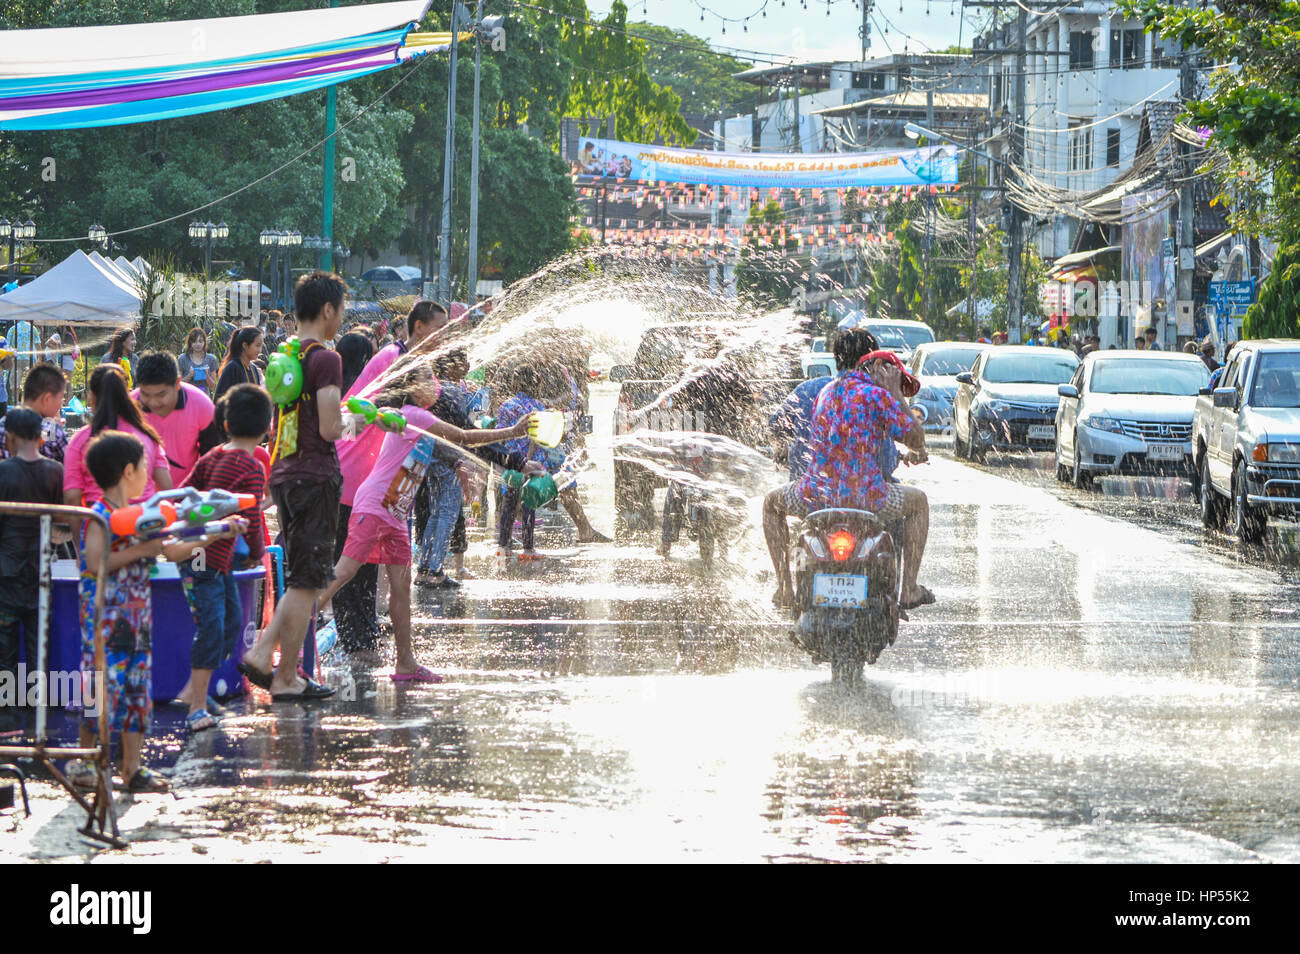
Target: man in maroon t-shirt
{"type": "Point", "coordinates": [305, 486]}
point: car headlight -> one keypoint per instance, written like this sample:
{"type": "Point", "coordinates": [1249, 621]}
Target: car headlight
{"type": "Point", "coordinates": [1284, 453]}
{"type": "Point", "coordinates": [991, 406]}
{"type": "Point", "coordinates": [1103, 424]}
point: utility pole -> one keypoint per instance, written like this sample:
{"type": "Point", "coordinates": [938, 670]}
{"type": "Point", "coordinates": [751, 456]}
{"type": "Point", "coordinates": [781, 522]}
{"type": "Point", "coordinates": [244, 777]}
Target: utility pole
{"type": "Point", "coordinates": [448, 161]}
{"type": "Point", "coordinates": [471, 294]}
{"type": "Point", "coordinates": [971, 306]}
{"type": "Point", "coordinates": [927, 277]}
{"type": "Point", "coordinates": [1015, 264]}
{"type": "Point", "coordinates": [864, 31]}
{"type": "Point", "coordinates": [1186, 214]}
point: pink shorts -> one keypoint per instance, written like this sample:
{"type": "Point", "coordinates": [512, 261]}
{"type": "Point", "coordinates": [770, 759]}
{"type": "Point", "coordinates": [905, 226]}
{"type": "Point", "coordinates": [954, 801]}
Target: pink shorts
{"type": "Point", "coordinates": [374, 540]}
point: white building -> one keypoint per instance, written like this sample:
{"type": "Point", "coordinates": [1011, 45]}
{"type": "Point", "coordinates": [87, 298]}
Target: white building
{"type": "Point", "coordinates": [1089, 73]}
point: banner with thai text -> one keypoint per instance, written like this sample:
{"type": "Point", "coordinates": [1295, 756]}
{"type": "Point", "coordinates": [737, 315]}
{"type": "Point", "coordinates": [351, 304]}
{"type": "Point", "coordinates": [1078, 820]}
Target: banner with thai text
{"type": "Point", "coordinates": [609, 158]}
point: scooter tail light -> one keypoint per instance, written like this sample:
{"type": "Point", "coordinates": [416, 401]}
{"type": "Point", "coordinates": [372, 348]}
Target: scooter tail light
{"type": "Point", "coordinates": [841, 545]}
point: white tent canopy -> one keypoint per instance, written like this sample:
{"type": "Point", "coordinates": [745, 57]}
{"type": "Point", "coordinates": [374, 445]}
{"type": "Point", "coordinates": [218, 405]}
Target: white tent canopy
{"type": "Point", "coordinates": [78, 290]}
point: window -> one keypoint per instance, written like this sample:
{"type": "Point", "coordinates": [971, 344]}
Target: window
{"type": "Point", "coordinates": [1165, 54]}
{"type": "Point", "coordinates": [1112, 148]}
{"type": "Point", "coordinates": [868, 79]}
{"type": "Point", "coordinates": [1080, 147]}
{"type": "Point", "coordinates": [1081, 55]}
{"type": "Point", "coordinates": [1134, 49]}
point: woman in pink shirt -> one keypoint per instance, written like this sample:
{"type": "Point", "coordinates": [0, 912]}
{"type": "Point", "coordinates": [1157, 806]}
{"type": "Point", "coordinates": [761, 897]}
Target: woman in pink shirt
{"type": "Point", "coordinates": [113, 410]}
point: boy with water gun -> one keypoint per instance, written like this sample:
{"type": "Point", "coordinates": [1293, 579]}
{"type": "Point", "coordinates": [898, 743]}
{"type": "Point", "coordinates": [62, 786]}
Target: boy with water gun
{"type": "Point", "coordinates": [245, 413]}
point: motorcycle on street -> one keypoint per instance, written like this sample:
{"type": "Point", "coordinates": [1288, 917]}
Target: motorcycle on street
{"type": "Point", "coordinates": [847, 578]}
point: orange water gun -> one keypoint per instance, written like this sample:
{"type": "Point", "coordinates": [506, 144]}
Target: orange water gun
{"type": "Point", "coordinates": [184, 513]}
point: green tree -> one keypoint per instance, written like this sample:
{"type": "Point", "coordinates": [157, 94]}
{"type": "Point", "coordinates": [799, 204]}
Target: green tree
{"type": "Point", "coordinates": [702, 77]}
{"type": "Point", "coordinates": [1277, 313]}
{"type": "Point", "coordinates": [1253, 107]}
{"type": "Point", "coordinates": [769, 271]}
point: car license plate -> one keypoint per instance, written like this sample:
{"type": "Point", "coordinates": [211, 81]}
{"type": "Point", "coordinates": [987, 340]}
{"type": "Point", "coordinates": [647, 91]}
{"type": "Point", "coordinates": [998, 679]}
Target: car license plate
{"type": "Point", "coordinates": [839, 592]}
{"type": "Point", "coordinates": [1042, 432]}
{"type": "Point", "coordinates": [1165, 451]}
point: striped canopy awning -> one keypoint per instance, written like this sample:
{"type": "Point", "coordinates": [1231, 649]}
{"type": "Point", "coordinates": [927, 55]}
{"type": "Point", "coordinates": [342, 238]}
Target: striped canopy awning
{"type": "Point", "coordinates": [79, 77]}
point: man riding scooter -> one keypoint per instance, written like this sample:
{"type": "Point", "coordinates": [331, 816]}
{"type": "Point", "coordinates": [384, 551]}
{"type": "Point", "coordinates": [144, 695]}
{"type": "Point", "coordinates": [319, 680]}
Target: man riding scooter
{"type": "Point", "coordinates": [855, 415]}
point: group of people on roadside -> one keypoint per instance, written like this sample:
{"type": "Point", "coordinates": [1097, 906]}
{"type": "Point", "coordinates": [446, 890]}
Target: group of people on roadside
{"type": "Point", "coordinates": [343, 507]}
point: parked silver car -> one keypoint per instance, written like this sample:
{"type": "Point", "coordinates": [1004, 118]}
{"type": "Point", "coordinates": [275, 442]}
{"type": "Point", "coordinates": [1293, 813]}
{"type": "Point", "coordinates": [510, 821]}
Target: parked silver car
{"type": "Point", "coordinates": [1008, 400]}
{"type": "Point", "coordinates": [1247, 438]}
{"type": "Point", "coordinates": [936, 365]}
{"type": "Point", "coordinates": [1128, 412]}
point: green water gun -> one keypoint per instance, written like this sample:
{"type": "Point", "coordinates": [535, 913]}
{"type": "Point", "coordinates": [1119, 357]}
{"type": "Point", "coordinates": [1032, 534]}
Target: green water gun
{"type": "Point", "coordinates": [392, 420]}
{"type": "Point", "coordinates": [284, 374]}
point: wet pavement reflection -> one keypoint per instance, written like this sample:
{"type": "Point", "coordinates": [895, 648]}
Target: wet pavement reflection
{"type": "Point", "coordinates": [1091, 686]}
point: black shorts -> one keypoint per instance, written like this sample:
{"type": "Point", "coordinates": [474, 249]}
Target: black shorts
{"type": "Point", "coordinates": [309, 519]}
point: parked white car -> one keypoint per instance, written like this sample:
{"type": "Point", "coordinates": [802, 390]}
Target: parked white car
{"type": "Point", "coordinates": [1128, 412]}
{"type": "Point", "coordinates": [936, 365]}
{"type": "Point", "coordinates": [1247, 438]}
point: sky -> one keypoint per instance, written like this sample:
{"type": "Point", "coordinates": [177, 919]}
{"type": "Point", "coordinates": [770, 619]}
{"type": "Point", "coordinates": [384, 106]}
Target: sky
{"type": "Point", "coordinates": [807, 33]}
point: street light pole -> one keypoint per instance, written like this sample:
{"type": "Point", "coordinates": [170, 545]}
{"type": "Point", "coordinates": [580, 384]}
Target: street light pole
{"type": "Point", "coordinates": [472, 293]}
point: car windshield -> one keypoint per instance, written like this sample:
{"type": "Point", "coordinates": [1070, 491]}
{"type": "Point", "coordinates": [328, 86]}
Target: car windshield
{"type": "Point", "coordinates": [1277, 384]}
{"type": "Point", "coordinates": [1045, 368]}
{"type": "Point", "coordinates": [1149, 376]}
{"type": "Point", "coordinates": [949, 361]}
{"type": "Point", "coordinates": [889, 337]}
{"type": "Point", "coordinates": [906, 337]}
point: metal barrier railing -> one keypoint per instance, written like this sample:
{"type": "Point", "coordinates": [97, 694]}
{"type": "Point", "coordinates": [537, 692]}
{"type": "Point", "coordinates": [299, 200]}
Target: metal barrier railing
{"type": "Point", "coordinates": [101, 814]}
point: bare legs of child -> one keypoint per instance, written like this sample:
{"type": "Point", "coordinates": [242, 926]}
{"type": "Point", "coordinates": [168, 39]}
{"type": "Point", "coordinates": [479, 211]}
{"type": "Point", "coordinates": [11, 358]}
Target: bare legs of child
{"type": "Point", "coordinates": [407, 668]}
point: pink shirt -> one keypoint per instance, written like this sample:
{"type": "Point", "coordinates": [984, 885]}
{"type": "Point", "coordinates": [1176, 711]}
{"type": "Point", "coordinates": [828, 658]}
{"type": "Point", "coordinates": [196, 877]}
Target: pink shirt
{"type": "Point", "coordinates": [181, 428]}
{"type": "Point", "coordinates": [77, 477]}
{"type": "Point", "coordinates": [389, 489]}
{"type": "Point", "coordinates": [357, 456]}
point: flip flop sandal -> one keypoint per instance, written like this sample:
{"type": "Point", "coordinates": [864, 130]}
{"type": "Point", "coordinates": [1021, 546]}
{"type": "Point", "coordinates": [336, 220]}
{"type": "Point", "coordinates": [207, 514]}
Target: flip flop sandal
{"type": "Point", "coordinates": [314, 690]}
{"type": "Point", "coordinates": [145, 781]}
{"type": "Point", "coordinates": [196, 720]}
{"type": "Point", "coordinates": [423, 674]}
{"type": "Point", "coordinates": [258, 678]}
{"type": "Point", "coordinates": [925, 599]}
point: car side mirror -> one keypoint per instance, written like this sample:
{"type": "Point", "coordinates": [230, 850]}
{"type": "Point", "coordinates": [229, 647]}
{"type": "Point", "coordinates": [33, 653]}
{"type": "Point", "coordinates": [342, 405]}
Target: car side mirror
{"type": "Point", "coordinates": [620, 372]}
{"type": "Point", "coordinates": [1067, 390]}
{"type": "Point", "coordinates": [1225, 397]}
{"type": "Point", "coordinates": [965, 378]}
{"type": "Point", "coordinates": [1204, 392]}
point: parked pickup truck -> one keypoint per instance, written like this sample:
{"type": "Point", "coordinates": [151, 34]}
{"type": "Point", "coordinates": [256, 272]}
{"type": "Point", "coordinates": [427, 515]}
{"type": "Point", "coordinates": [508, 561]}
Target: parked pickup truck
{"type": "Point", "coordinates": [1246, 438]}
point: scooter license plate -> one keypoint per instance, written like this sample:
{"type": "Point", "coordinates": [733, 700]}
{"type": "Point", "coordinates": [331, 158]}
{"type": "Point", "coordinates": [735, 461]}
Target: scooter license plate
{"type": "Point", "coordinates": [1165, 451]}
{"type": "Point", "coordinates": [834, 591]}
{"type": "Point", "coordinates": [1041, 432]}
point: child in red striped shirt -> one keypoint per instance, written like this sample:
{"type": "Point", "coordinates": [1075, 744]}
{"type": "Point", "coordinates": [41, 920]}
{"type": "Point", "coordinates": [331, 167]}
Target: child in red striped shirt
{"type": "Point", "coordinates": [245, 413]}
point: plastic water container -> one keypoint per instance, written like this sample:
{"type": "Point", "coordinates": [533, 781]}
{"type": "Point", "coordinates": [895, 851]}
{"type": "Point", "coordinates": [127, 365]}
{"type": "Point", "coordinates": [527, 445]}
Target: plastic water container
{"type": "Point", "coordinates": [547, 428]}
{"type": "Point", "coordinates": [538, 492]}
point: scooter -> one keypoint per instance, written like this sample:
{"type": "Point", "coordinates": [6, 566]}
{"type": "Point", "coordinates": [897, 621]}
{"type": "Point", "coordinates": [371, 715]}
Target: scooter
{"type": "Point", "coordinates": [847, 576]}
{"type": "Point", "coordinates": [686, 507]}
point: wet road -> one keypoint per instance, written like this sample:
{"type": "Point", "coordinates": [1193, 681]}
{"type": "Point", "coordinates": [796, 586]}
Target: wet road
{"type": "Point", "coordinates": [1098, 682]}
